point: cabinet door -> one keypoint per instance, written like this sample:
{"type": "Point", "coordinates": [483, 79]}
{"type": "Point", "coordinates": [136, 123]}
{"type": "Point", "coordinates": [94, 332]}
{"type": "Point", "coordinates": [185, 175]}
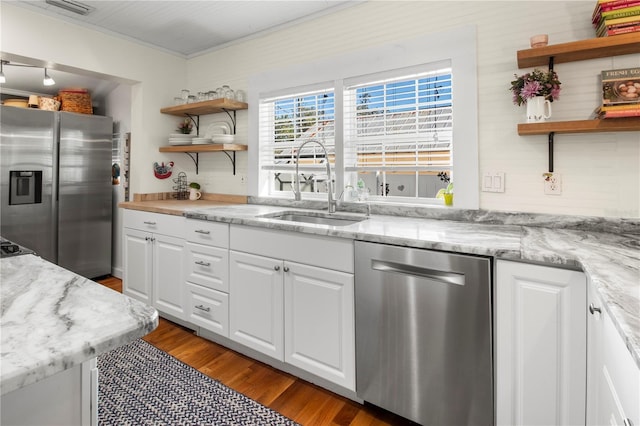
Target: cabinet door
{"type": "Point", "coordinates": [540, 345]}
{"type": "Point", "coordinates": [319, 322]}
{"type": "Point", "coordinates": [613, 385]}
{"type": "Point", "coordinates": [256, 302]}
{"type": "Point", "coordinates": [137, 255]}
{"type": "Point", "coordinates": [168, 275]}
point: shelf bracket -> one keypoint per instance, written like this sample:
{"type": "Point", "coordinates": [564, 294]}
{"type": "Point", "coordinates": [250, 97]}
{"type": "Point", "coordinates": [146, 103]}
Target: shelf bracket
{"type": "Point", "coordinates": [551, 63]}
{"type": "Point", "coordinates": [195, 159]}
{"type": "Point", "coordinates": [233, 120]}
{"type": "Point", "coordinates": [232, 159]}
{"type": "Point", "coordinates": [196, 122]}
{"type": "Point", "coordinates": [551, 134]}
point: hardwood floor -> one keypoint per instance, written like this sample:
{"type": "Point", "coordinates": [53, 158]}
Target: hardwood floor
{"type": "Point", "coordinates": [295, 398]}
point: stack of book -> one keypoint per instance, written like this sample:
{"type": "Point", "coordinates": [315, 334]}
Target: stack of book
{"type": "Point", "coordinates": [612, 17]}
{"type": "Point", "coordinates": [620, 93]}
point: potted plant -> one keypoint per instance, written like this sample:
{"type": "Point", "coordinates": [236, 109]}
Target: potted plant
{"type": "Point", "coordinates": [447, 192]}
{"type": "Point", "coordinates": [194, 193]}
{"type": "Point", "coordinates": [185, 126]}
{"type": "Point", "coordinates": [535, 83]}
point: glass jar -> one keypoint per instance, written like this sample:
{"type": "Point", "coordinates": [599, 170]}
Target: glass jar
{"type": "Point", "coordinates": [191, 99]}
{"type": "Point", "coordinates": [227, 92]}
{"type": "Point", "coordinates": [178, 101]}
{"type": "Point", "coordinates": [184, 94]}
{"type": "Point", "coordinates": [241, 96]}
{"type": "Point", "coordinates": [201, 97]}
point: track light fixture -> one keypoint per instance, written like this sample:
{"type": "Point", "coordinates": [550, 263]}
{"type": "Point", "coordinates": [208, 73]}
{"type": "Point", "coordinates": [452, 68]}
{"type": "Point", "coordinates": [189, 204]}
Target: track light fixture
{"type": "Point", "coordinates": [48, 81]}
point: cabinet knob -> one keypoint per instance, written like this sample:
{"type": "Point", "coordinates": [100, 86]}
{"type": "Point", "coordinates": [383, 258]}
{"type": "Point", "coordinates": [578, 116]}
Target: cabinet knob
{"type": "Point", "coordinates": [200, 262]}
{"type": "Point", "coordinates": [203, 308]}
{"type": "Point", "coordinates": [593, 309]}
{"type": "Point", "coordinates": [276, 268]}
{"type": "Point", "coordinates": [149, 222]}
{"type": "Point", "coordinates": [202, 231]}
{"type": "Point", "coordinates": [286, 269]}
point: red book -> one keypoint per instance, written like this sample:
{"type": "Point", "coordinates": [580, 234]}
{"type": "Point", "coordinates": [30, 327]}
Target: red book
{"type": "Point", "coordinates": [624, 30]}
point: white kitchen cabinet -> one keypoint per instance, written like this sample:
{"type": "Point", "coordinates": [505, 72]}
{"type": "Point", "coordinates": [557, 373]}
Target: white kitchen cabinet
{"type": "Point", "coordinates": [319, 316]}
{"type": "Point", "coordinates": [291, 297]}
{"type": "Point", "coordinates": [154, 260]}
{"type": "Point", "coordinates": [540, 331]}
{"type": "Point", "coordinates": [256, 303]}
{"type": "Point", "coordinates": [613, 377]}
{"type": "Point", "coordinates": [66, 398]}
{"type": "Point", "coordinates": [206, 268]}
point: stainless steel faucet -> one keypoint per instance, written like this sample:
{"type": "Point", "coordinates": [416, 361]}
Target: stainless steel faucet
{"type": "Point", "coordinates": [296, 189]}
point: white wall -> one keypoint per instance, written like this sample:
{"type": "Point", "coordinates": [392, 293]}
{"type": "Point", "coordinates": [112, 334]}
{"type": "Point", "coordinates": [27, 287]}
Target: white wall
{"type": "Point", "coordinates": [155, 77]}
{"type": "Point", "coordinates": [118, 103]}
{"type": "Point", "coordinates": [600, 172]}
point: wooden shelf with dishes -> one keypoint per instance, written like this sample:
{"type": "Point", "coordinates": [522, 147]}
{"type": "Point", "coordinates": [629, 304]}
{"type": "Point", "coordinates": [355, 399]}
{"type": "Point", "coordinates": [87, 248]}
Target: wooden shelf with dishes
{"type": "Point", "coordinates": [194, 111]}
{"type": "Point", "coordinates": [581, 50]}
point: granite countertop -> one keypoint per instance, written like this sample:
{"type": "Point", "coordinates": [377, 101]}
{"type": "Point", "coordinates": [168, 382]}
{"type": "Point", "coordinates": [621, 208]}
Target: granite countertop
{"type": "Point", "coordinates": [606, 250]}
{"type": "Point", "coordinates": [53, 319]}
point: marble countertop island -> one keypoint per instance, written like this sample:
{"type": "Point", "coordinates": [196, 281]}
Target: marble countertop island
{"type": "Point", "coordinates": [53, 319]}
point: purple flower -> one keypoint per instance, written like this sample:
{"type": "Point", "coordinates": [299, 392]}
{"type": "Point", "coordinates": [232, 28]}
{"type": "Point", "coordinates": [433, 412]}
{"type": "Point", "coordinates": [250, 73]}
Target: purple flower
{"type": "Point", "coordinates": [555, 92]}
{"type": "Point", "coordinates": [530, 89]}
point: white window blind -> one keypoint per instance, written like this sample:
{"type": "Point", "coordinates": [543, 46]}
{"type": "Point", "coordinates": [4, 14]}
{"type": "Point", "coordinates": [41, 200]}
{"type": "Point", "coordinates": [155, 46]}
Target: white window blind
{"type": "Point", "coordinates": [286, 122]}
{"type": "Point", "coordinates": [400, 125]}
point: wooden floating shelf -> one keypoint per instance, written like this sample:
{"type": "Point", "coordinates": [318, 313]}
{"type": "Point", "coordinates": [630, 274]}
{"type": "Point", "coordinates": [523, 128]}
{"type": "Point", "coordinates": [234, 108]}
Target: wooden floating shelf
{"type": "Point", "coordinates": [205, 107]}
{"type": "Point", "coordinates": [626, 124]}
{"type": "Point", "coordinates": [601, 47]}
{"type": "Point", "coordinates": [214, 147]}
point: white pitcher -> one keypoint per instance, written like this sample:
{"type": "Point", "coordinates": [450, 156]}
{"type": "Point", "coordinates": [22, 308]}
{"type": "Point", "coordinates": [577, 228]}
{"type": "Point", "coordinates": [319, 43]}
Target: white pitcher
{"type": "Point", "coordinates": [194, 194]}
{"type": "Point", "coordinates": [538, 109]}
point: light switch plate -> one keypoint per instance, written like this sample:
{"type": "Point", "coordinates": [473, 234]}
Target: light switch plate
{"type": "Point", "coordinates": [493, 182]}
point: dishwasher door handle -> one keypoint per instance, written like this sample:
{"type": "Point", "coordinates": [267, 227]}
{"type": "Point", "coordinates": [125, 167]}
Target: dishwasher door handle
{"type": "Point", "coordinates": [432, 274]}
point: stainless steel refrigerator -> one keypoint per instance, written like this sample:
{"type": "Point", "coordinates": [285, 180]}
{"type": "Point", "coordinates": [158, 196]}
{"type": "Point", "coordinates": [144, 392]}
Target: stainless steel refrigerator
{"type": "Point", "coordinates": [55, 186]}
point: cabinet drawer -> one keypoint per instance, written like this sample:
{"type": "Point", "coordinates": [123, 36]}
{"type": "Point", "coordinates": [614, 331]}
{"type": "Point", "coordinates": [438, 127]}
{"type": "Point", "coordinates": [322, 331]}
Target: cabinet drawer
{"type": "Point", "coordinates": [154, 222]}
{"type": "Point", "coordinates": [208, 309]}
{"type": "Point", "coordinates": [206, 232]}
{"type": "Point", "coordinates": [325, 252]}
{"type": "Point", "coordinates": [207, 266]}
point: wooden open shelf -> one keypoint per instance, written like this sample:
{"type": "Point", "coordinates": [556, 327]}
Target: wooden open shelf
{"type": "Point", "coordinates": [212, 147]}
{"type": "Point", "coordinates": [194, 151]}
{"type": "Point", "coordinates": [626, 124]}
{"type": "Point", "coordinates": [601, 47]}
{"type": "Point", "coordinates": [205, 107]}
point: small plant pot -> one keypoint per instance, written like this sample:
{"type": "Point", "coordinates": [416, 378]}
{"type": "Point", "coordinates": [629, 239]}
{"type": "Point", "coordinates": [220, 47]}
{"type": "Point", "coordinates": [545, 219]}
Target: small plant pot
{"type": "Point", "coordinates": [448, 199]}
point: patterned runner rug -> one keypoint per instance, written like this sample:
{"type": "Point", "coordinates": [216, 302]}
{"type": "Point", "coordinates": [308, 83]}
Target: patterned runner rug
{"type": "Point", "coordinates": [142, 385]}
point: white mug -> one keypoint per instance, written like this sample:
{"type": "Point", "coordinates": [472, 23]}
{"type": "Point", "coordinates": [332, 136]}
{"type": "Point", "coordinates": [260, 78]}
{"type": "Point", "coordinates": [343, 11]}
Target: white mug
{"type": "Point", "coordinates": [194, 194]}
{"type": "Point", "coordinates": [538, 109]}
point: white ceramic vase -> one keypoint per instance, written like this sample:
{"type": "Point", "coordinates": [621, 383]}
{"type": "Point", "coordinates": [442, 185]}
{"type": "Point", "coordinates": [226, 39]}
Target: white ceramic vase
{"type": "Point", "coordinates": [538, 109]}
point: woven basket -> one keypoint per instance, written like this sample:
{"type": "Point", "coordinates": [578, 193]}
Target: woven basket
{"type": "Point", "coordinates": [75, 100]}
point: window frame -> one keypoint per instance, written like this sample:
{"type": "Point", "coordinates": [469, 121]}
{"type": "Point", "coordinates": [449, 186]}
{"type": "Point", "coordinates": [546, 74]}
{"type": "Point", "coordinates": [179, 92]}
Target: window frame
{"type": "Point", "coordinates": [457, 45]}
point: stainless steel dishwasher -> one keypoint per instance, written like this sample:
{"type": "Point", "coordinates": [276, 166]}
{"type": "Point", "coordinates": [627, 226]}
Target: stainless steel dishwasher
{"type": "Point", "coordinates": [423, 334]}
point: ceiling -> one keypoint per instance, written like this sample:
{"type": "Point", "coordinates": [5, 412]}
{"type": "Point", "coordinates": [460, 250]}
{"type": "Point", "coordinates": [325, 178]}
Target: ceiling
{"type": "Point", "coordinates": [184, 28]}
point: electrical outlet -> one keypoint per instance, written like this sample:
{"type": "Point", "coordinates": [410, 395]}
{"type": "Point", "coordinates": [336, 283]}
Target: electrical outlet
{"type": "Point", "coordinates": [553, 185]}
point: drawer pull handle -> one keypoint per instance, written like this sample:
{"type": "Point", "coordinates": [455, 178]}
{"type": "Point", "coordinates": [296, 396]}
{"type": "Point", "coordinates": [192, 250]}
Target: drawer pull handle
{"type": "Point", "coordinates": [202, 263]}
{"type": "Point", "coordinates": [147, 222]}
{"type": "Point", "coordinates": [203, 308]}
{"type": "Point", "coordinates": [276, 268]}
{"type": "Point", "coordinates": [593, 309]}
{"type": "Point", "coordinates": [202, 231]}
{"type": "Point", "coordinates": [286, 269]}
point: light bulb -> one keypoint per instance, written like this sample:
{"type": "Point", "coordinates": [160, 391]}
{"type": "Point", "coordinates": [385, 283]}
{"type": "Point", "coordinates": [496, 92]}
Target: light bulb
{"type": "Point", "coordinates": [48, 81]}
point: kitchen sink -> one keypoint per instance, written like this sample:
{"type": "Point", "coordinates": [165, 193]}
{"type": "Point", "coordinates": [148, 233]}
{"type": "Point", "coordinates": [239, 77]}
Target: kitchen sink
{"type": "Point", "coordinates": [318, 218]}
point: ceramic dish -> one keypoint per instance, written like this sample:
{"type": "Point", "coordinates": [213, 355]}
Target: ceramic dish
{"type": "Point", "coordinates": [201, 141]}
{"type": "Point", "coordinates": [223, 138]}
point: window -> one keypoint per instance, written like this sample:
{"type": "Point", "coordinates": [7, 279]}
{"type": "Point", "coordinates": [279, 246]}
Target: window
{"type": "Point", "coordinates": [391, 115]}
{"type": "Point", "coordinates": [288, 122]}
{"type": "Point", "coordinates": [398, 133]}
